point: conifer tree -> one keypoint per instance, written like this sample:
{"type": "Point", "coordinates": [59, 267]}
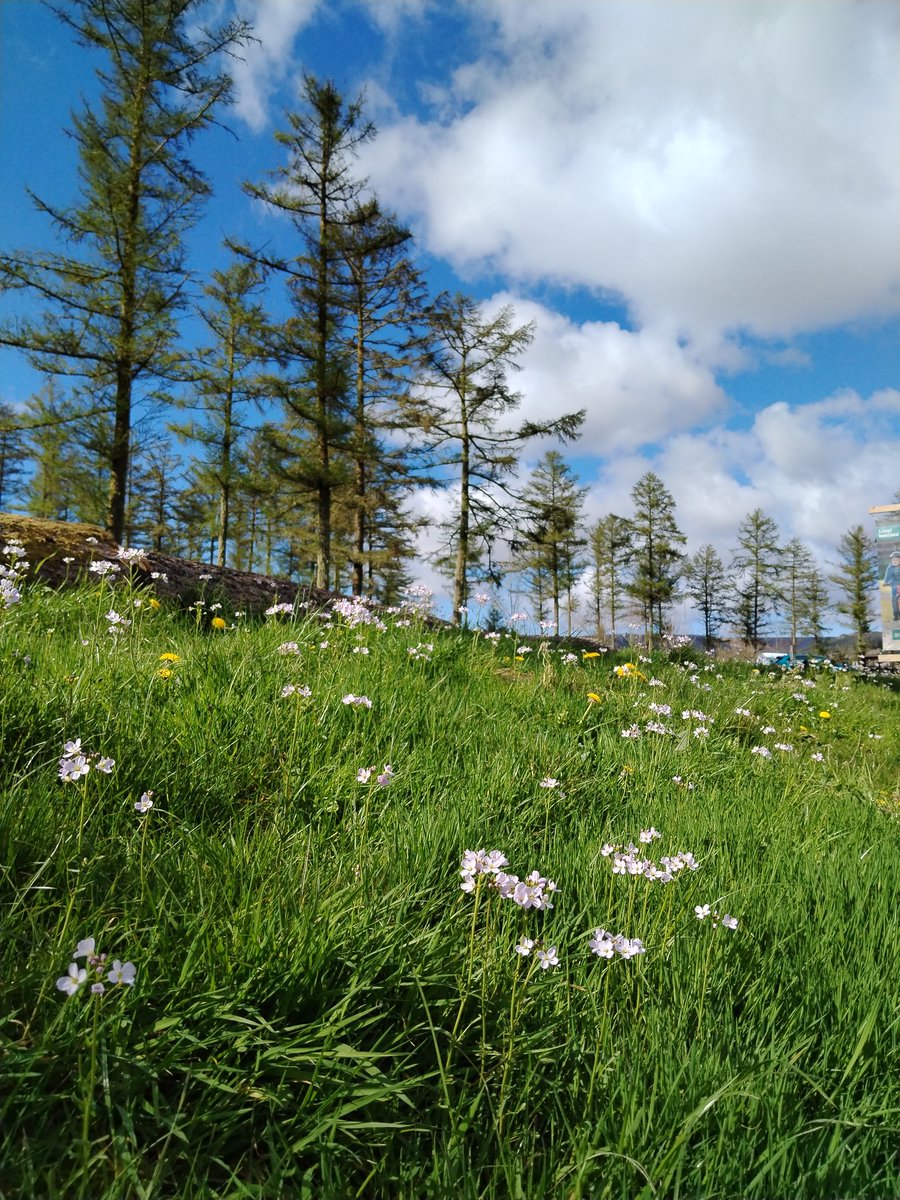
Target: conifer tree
{"type": "Point", "coordinates": [549, 531]}
{"type": "Point", "coordinates": [384, 300]}
{"type": "Point", "coordinates": [610, 542]}
{"type": "Point", "coordinates": [321, 197]}
{"type": "Point", "coordinates": [655, 552]}
{"type": "Point", "coordinates": [856, 579]}
{"type": "Point", "coordinates": [795, 569]}
{"type": "Point", "coordinates": [225, 374]}
{"type": "Point", "coordinates": [756, 566]}
{"type": "Point", "coordinates": [706, 586]}
{"type": "Point", "coordinates": [111, 302]}
{"type": "Point", "coordinates": [13, 452]}
{"type": "Point", "coordinates": [460, 405]}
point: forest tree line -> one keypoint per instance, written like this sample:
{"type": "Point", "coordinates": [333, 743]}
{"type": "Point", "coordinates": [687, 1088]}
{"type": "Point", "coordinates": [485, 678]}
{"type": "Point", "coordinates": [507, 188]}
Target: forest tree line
{"type": "Point", "coordinates": [326, 385]}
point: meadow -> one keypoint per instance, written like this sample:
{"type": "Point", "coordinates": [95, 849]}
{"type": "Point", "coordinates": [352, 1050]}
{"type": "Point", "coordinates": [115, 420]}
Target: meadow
{"type": "Point", "coordinates": [337, 905]}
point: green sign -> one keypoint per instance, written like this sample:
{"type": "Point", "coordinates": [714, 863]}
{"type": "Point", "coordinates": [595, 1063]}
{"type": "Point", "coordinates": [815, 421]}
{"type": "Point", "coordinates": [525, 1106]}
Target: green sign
{"type": "Point", "coordinates": [887, 531]}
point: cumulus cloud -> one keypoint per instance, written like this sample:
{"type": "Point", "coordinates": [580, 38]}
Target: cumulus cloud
{"type": "Point", "coordinates": [637, 387]}
{"type": "Point", "coordinates": [722, 167]}
{"type": "Point", "coordinates": [266, 62]}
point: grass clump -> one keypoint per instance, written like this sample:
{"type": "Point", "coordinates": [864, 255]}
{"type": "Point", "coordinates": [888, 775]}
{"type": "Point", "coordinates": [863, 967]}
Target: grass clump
{"type": "Point", "coordinates": [707, 1005]}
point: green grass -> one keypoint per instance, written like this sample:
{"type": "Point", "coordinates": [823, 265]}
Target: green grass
{"type": "Point", "coordinates": [319, 1010]}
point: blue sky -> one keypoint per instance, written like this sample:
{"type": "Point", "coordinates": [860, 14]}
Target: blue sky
{"type": "Point", "coordinates": [697, 203]}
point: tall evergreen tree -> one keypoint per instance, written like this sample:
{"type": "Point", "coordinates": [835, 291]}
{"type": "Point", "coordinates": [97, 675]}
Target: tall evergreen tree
{"type": "Point", "coordinates": [384, 300]}
{"type": "Point", "coordinates": [756, 566]}
{"type": "Point", "coordinates": [856, 579]}
{"type": "Point", "coordinates": [110, 310]}
{"type": "Point", "coordinates": [13, 452]}
{"type": "Point", "coordinates": [794, 572]}
{"type": "Point", "coordinates": [225, 374]}
{"type": "Point", "coordinates": [49, 418]}
{"type": "Point", "coordinates": [655, 552]}
{"type": "Point", "coordinates": [320, 195]}
{"type": "Point", "coordinates": [706, 586]}
{"type": "Point", "coordinates": [460, 406]}
{"type": "Point", "coordinates": [550, 533]}
{"type": "Point", "coordinates": [610, 542]}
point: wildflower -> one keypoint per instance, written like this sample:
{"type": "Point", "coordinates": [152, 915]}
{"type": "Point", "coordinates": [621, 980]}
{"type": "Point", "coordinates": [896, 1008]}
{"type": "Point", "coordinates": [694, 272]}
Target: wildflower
{"type": "Point", "coordinates": [701, 911]}
{"type": "Point", "coordinates": [649, 835]}
{"type": "Point", "coordinates": [525, 946]}
{"type": "Point", "coordinates": [825, 715]}
{"type": "Point", "coordinates": [165, 673]}
{"type": "Point", "coordinates": [591, 654]}
{"type": "Point", "coordinates": [548, 958]}
{"type": "Point", "coordinates": [386, 776]}
{"type": "Point", "coordinates": [72, 980]}
{"type": "Point", "coordinates": [364, 774]}
{"type": "Point", "coordinates": [817, 757]}
{"type": "Point", "coordinates": [74, 768]}
{"type": "Point", "coordinates": [602, 944]}
{"type": "Point", "coordinates": [549, 783]}
{"type": "Point", "coordinates": [762, 751]}
{"type": "Point", "coordinates": [357, 701]}
{"type": "Point", "coordinates": [481, 598]}
{"type": "Point", "coordinates": [785, 746]}
{"type": "Point", "coordinates": [288, 648]}
{"type": "Point", "coordinates": [85, 948]}
{"type": "Point", "coordinates": [743, 712]}
{"type": "Point", "coordinates": [218, 623]}
{"type": "Point", "coordinates": [661, 710]}
{"type": "Point", "coordinates": [607, 849]}
{"type": "Point", "coordinates": [145, 803]}
{"type": "Point", "coordinates": [122, 973]}
{"type": "Point", "coordinates": [154, 603]}
{"type": "Point", "coordinates": [105, 765]}
{"type": "Point", "coordinates": [633, 731]}
{"type": "Point", "coordinates": [169, 657]}
{"type": "Point", "coordinates": [729, 922]}
{"type": "Point", "coordinates": [593, 698]}
{"type": "Point", "coordinates": [768, 729]}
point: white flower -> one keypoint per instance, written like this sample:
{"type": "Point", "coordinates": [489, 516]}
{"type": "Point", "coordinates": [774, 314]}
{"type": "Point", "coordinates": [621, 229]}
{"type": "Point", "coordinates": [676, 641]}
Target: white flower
{"type": "Point", "coordinates": [549, 783]}
{"type": "Point", "coordinates": [548, 958]}
{"type": "Point", "coordinates": [729, 922]}
{"type": "Point", "coordinates": [122, 973]}
{"type": "Point", "coordinates": [360, 649]}
{"type": "Point", "coordinates": [701, 911]}
{"type": "Point", "coordinates": [364, 774]}
{"type": "Point", "coordinates": [525, 946]}
{"type": "Point", "coordinates": [72, 980]}
{"type": "Point", "coordinates": [785, 746]}
{"type": "Point", "coordinates": [762, 751]}
{"type": "Point", "coordinates": [145, 803]}
{"type": "Point", "coordinates": [649, 835]}
{"type": "Point", "coordinates": [85, 948]}
{"type": "Point", "coordinates": [357, 701]}
{"type": "Point", "coordinates": [105, 765]}
{"type": "Point", "coordinates": [288, 648]}
{"type": "Point", "coordinates": [818, 757]}
{"type": "Point", "coordinates": [386, 776]}
{"type": "Point", "coordinates": [602, 944]}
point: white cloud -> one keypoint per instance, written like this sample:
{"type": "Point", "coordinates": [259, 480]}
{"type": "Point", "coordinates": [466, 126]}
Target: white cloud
{"type": "Point", "coordinates": [266, 62]}
{"type": "Point", "coordinates": [638, 387]}
{"type": "Point", "coordinates": [721, 166]}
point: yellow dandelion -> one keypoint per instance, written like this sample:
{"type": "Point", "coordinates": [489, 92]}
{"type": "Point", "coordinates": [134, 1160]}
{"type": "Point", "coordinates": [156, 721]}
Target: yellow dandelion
{"type": "Point", "coordinates": [825, 714]}
{"type": "Point", "coordinates": [170, 657]}
{"type": "Point", "coordinates": [154, 603]}
{"type": "Point", "coordinates": [593, 698]}
{"type": "Point", "coordinates": [591, 654]}
{"type": "Point", "coordinates": [165, 672]}
{"type": "Point", "coordinates": [520, 658]}
{"type": "Point", "coordinates": [218, 623]}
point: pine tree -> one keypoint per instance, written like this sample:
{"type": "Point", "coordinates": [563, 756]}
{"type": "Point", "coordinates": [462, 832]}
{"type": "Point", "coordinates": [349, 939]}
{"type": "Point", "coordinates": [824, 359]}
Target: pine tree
{"type": "Point", "coordinates": [549, 530]}
{"type": "Point", "coordinates": [110, 312]}
{"type": "Point", "coordinates": [610, 542]}
{"type": "Point", "coordinates": [384, 300]}
{"type": "Point", "coordinates": [226, 376]}
{"type": "Point", "coordinates": [794, 570]}
{"type": "Point", "coordinates": [460, 403]}
{"type": "Point", "coordinates": [320, 195]}
{"type": "Point", "coordinates": [857, 578]}
{"type": "Point", "coordinates": [49, 418]}
{"type": "Point", "coordinates": [706, 586]}
{"type": "Point", "coordinates": [655, 552]}
{"type": "Point", "coordinates": [756, 566]}
{"type": "Point", "coordinates": [13, 452]}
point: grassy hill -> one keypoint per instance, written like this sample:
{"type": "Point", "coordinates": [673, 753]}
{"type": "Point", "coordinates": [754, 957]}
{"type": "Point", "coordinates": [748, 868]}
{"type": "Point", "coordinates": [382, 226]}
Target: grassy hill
{"type": "Point", "coordinates": [321, 990]}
